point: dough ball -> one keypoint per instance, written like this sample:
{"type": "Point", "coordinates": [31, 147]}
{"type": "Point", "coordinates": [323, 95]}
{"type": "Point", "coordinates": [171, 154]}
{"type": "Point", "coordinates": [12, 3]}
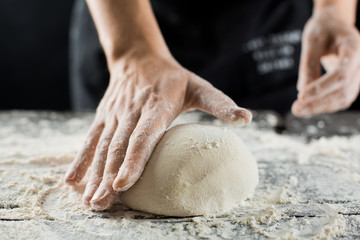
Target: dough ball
{"type": "Point", "coordinates": [194, 170]}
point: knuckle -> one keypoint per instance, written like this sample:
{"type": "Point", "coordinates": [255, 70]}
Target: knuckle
{"type": "Point", "coordinates": [88, 145]}
{"type": "Point", "coordinates": [101, 105]}
{"type": "Point", "coordinates": [114, 146]}
{"type": "Point", "coordinates": [102, 145]}
{"type": "Point", "coordinates": [117, 148]}
{"type": "Point", "coordinates": [96, 127]}
{"type": "Point", "coordinates": [130, 119]}
{"type": "Point", "coordinates": [95, 178]}
{"type": "Point", "coordinates": [145, 92]}
{"type": "Point", "coordinates": [137, 137]}
{"type": "Point", "coordinates": [134, 164]}
{"type": "Point", "coordinates": [153, 100]}
{"type": "Point", "coordinates": [313, 36]}
{"type": "Point", "coordinates": [130, 106]}
{"type": "Point", "coordinates": [109, 105]}
{"type": "Point", "coordinates": [308, 25]}
{"type": "Point", "coordinates": [99, 111]}
{"type": "Point", "coordinates": [108, 180]}
{"type": "Point", "coordinates": [313, 33]}
{"type": "Point", "coordinates": [339, 78]}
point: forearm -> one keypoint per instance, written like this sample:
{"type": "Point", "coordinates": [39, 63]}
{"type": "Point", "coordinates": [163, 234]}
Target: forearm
{"type": "Point", "coordinates": [126, 27]}
{"type": "Point", "coordinates": [345, 10]}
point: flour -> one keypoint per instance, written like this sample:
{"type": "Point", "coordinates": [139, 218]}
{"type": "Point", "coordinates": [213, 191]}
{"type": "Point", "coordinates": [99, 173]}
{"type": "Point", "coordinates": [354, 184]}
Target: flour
{"type": "Point", "coordinates": [306, 190]}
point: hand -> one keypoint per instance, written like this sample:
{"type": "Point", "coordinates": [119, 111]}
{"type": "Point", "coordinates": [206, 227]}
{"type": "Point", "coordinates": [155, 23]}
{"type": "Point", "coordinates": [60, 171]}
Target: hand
{"type": "Point", "coordinates": [336, 44]}
{"type": "Point", "coordinates": [144, 96]}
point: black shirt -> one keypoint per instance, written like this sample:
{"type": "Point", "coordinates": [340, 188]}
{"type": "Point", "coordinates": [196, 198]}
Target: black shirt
{"type": "Point", "coordinates": [249, 49]}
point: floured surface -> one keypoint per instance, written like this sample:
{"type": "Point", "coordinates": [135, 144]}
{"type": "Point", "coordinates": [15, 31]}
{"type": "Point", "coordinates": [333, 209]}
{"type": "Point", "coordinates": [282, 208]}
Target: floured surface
{"type": "Point", "coordinates": [306, 190]}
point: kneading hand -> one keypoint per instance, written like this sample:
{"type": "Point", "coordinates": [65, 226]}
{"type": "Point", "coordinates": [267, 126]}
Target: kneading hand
{"type": "Point", "coordinates": [334, 42]}
{"type": "Point", "coordinates": [144, 96]}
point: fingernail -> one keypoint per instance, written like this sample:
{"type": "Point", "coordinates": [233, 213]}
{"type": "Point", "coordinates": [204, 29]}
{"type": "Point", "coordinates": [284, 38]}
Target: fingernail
{"type": "Point", "coordinates": [90, 190]}
{"type": "Point", "coordinates": [121, 187]}
{"type": "Point", "coordinates": [250, 117]}
{"type": "Point", "coordinates": [97, 207]}
{"type": "Point", "coordinates": [70, 175]}
{"type": "Point", "coordinates": [102, 200]}
{"type": "Point", "coordinates": [240, 118]}
{"type": "Point", "coordinates": [100, 195]}
{"type": "Point", "coordinates": [239, 122]}
{"type": "Point", "coordinates": [88, 194]}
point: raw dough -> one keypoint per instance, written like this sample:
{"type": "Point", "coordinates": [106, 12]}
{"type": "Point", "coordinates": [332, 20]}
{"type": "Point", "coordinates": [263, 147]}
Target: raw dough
{"type": "Point", "coordinates": [195, 170]}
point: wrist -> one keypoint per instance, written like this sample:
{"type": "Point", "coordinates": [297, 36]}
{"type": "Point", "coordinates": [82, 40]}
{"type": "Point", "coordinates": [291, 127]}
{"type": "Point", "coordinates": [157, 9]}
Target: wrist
{"type": "Point", "coordinates": [137, 57]}
{"type": "Point", "coordinates": [118, 55]}
{"type": "Point", "coordinates": [343, 10]}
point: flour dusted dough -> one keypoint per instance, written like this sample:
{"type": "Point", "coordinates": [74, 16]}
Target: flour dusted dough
{"type": "Point", "coordinates": [194, 170]}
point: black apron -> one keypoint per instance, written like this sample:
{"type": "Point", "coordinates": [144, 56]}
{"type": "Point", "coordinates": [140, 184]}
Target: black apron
{"type": "Point", "coordinates": [248, 49]}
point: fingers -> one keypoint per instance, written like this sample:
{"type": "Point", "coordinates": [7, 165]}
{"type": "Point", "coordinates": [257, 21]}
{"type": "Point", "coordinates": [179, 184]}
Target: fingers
{"type": "Point", "coordinates": [330, 93]}
{"type": "Point", "coordinates": [98, 164]}
{"type": "Point", "coordinates": [79, 166]}
{"type": "Point", "coordinates": [330, 62]}
{"type": "Point", "coordinates": [312, 48]}
{"type": "Point", "coordinates": [323, 86]}
{"type": "Point", "coordinates": [332, 102]}
{"type": "Point", "coordinates": [105, 195]}
{"type": "Point", "coordinates": [110, 151]}
{"type": "Point", "coordinates": [339, 82]}
{"type": "Point", "coordinates": [209, 99]}
{"type": "Point", "coordinates": [349, 51]}
{"type": "Point", "coordinates": [142, 142]}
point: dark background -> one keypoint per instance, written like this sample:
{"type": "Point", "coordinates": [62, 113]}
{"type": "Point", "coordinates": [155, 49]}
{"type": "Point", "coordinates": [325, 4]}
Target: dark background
{"type": "Point", "coordinates": [34, 54]}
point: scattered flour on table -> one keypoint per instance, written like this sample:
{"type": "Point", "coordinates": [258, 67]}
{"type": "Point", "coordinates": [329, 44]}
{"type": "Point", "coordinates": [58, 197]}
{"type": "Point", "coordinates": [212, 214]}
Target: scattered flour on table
{"type": "Point", "coordinates": [36, 205]}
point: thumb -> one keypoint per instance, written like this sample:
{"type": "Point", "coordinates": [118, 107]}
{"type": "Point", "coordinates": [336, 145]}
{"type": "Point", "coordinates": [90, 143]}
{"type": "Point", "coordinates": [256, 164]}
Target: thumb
{"type": "Point", "coordinates": [207, 98]}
